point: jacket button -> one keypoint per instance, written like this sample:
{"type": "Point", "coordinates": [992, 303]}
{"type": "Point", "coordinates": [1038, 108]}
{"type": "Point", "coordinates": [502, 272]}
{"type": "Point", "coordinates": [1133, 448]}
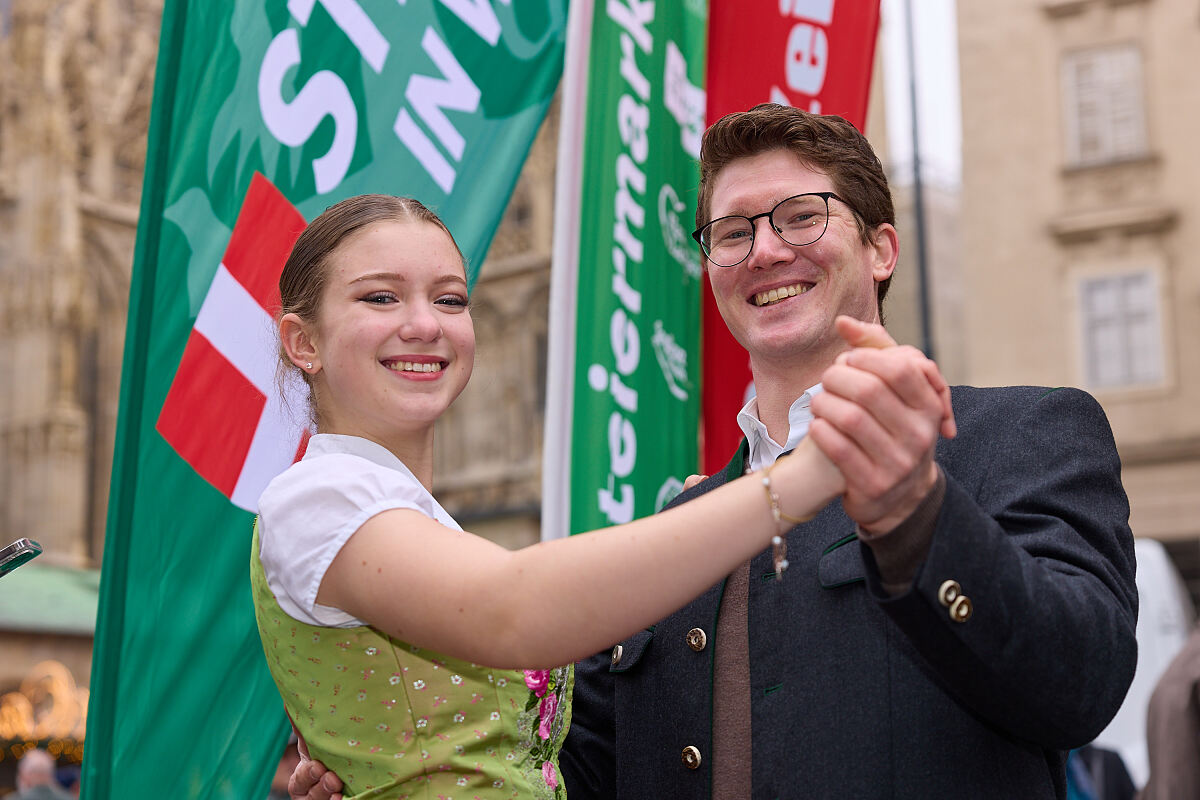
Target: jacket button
{"type": "Point", "coordinates": [618, 651]}
{"type": "Point", "coordinates": [948, 593]}
{"type": "Point", "coordinates": [961, 608]}
{"type": "Point", "coordinates": [696, 639]}
{"type": "Point", "coordinates": [691, 757]}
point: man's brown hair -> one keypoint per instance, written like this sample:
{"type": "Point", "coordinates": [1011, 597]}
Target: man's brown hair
{"type": "Point", "coordinates": [822, 141]}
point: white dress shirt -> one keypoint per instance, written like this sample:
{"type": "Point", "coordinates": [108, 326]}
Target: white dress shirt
{"type": "Point", "coordinates": [763, 449]}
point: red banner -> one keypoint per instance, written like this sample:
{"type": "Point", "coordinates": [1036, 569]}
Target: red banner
{"type": "Point", "coordinates": [811, 54]}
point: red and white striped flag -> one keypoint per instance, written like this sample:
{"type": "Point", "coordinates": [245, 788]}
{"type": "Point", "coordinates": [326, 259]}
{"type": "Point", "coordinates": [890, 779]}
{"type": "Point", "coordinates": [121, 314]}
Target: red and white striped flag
{"type": "Point", "coordinates": [253, 433]}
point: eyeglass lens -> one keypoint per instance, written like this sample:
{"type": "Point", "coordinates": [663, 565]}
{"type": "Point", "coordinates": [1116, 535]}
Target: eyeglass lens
{"type": "Point", "coordinates": [798, 220]}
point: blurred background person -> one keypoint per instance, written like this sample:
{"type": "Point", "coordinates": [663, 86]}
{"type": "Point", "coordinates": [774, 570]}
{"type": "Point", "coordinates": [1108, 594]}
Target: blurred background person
{"type": "Point", "coordinates": [1173, 728]}
{"type": "Point", "coordinates": [36, 778]}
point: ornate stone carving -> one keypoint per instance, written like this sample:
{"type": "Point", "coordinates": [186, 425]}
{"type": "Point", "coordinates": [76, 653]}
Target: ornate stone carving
{"type": "Point", "coordinates": [75, 92]}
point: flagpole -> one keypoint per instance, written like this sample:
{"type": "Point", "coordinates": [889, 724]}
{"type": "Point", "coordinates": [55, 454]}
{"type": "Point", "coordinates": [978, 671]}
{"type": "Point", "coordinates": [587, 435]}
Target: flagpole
{"type": "Point", "coordinates": [918, 188]}
{"type": "Point", "coordinates": [564, 266]}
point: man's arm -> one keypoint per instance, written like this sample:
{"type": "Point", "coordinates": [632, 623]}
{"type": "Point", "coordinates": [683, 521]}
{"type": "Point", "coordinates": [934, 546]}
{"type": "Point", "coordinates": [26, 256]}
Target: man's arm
{"type": "Point", "coordinates": [878, 420]}
{"type": "Point", "coordinates": [1038, 541]}
{"type": "Point", "coordinates": [1036, 535]}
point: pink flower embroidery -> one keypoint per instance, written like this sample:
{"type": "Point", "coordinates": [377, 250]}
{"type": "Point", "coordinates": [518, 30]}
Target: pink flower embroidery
{"type": "Point", "coordinates": [537, 680]}
{"type": "Point", "coordinates": [549, 776]}
{"type": "Point", "coordinates": [546, 711]}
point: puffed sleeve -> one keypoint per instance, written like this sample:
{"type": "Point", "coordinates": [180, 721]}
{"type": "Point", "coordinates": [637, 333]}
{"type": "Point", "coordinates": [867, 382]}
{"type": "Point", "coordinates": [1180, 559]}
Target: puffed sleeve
{"type": "Point", "coordinates": [310, 511]}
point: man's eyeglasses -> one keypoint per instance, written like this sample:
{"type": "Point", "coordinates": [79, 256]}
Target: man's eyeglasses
{"type": "Point", "coordinates": [798, 220]}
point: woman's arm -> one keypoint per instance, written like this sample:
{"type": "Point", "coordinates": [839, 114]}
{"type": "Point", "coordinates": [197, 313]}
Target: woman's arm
{"type": "Point", "coordinates": [559, 601]}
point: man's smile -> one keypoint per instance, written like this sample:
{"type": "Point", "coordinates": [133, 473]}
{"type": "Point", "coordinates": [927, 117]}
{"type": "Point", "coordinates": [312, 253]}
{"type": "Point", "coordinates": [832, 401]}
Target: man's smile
{"type": "Point", "coordinates": [782, 293]}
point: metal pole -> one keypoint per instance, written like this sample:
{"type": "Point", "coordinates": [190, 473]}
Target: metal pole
{"type": "Point", "coordinates": [918, 194]}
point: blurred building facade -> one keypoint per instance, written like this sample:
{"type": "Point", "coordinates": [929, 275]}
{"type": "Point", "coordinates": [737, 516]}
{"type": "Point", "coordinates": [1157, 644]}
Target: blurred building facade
{"type": "Point", "coordinates": [75, 84]}
{"type": "Point", "coordinates": [76, 79]}
{"type": "Point", "coordinates": [938, 225]}
{"type": "Point", "coordinates": [1081, 227]}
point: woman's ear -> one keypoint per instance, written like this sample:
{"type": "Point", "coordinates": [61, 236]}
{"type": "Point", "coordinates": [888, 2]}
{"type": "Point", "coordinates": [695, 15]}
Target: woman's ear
{"type": "Point", "coordinates": [299, 343]}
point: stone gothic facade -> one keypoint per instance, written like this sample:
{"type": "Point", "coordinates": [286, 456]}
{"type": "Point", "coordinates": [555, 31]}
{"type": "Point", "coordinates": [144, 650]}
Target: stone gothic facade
{"type": "Point", "coordinates": [74, 107]}
{"type": "Point", "coordinates": [75, 93]}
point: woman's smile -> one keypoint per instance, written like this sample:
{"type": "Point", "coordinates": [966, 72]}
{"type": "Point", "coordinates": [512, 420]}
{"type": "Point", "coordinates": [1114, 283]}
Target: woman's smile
{"type": "Point", "coordinates": [417, 368]}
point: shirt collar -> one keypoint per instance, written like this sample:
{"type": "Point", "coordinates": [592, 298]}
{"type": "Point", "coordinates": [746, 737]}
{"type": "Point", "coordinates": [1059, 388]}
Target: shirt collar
{"type": "Point", "coordinates": [322, 444]}
{"type": "Point", "coordinates": [763, 449]}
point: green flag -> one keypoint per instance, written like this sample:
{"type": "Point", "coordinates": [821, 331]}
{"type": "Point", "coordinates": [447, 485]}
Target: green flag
{"type": "Point", "coordinates": [622, 407]}
{"type": "Point", "coordinates": [265, 113]}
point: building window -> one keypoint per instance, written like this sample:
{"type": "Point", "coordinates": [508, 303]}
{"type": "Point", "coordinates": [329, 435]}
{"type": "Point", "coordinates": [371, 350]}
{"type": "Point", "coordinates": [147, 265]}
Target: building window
{"type": "Point", "coordinates": [1122, 330]}
{"type": "Point", "coordinates": [1105, 118]}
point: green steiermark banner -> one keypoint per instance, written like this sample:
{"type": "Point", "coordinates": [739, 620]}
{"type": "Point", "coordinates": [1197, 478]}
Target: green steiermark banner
{"type": "Point", "coordinates": [622, 414]}
{"type": "Point", "coordinates": [265, 113]}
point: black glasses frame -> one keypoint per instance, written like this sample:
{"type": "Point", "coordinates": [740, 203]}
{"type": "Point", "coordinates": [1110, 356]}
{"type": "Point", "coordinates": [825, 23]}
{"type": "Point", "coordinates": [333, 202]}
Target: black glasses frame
{"type": "Point", "coordinates": [698, 234]}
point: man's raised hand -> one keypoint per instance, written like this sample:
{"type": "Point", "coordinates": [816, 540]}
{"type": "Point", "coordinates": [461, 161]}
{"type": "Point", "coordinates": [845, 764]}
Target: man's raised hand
{"type": "Point", "coordinates": [878, 420]}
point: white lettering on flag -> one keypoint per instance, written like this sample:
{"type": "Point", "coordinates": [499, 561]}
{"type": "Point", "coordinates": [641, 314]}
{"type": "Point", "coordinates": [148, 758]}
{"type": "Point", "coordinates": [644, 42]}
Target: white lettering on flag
{"type": "Point", "coordinates": [684, 100]}
{"type": "Point", "coordinates": [422, 147]}
{"type": "Point", "coordinates": [429, 96]}
{"type": "Point", "coordinates": [293, 123]}
{"type": "Point", "coordinates": [634, 16]}
{"type": "Point", "coordinates": [478, 14]}
{"type": "Point", "coordinates": [353, 21]}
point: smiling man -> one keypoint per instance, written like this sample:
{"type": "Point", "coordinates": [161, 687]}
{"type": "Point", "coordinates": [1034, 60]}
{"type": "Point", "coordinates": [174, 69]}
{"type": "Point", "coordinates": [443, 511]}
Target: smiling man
{"type": "Point", "coordinates": [962, 618]}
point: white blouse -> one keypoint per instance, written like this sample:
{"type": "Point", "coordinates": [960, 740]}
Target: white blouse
{"type": "Point", "coordinates": [311, 509]}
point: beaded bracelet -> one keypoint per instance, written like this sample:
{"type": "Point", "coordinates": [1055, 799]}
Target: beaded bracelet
{"type": "Point", "coordinates": [778, 543]}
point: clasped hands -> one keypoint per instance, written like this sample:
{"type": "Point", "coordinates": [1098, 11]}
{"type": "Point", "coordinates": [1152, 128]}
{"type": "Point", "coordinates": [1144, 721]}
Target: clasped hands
{"type": "Point", "coordinates": [878, 420]}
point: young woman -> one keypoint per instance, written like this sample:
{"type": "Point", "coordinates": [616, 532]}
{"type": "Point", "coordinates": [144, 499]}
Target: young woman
{"type": "Point", "coordinates": [377, 612]}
